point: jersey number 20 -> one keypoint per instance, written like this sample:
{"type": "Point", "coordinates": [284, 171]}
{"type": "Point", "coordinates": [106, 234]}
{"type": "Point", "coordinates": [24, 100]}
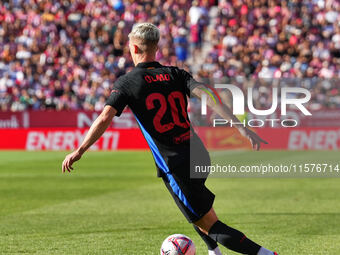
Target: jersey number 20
{"type": "Point", "coordinates": [150, 104]}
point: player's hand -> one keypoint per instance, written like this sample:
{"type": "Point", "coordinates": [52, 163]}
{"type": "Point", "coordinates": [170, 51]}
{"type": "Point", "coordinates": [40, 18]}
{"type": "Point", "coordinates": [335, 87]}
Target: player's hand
{"type": "Point", "coordinates": [254, 139]}
{"type": "Point", "coordinates": [69, 160]}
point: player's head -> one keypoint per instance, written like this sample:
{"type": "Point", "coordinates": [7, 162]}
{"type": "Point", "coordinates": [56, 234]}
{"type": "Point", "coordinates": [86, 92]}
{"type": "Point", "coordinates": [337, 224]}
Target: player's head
{"type": "Point", "coordinates": [143, 42]}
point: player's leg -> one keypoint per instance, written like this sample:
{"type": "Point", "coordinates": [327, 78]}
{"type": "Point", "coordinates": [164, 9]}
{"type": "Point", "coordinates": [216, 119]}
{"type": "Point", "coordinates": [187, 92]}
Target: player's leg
{"type": "Point", "coordinates": [195, 202]}
{"type": "Point", "coordinates": [229, 237]}
{"type": "Point", "coordinates": [200, 156]}
{"type": "Point", "coordinates": [211, 244]}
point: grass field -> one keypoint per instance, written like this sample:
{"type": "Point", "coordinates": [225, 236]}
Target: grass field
{"type": "Point", "coordinates": [114, 204]}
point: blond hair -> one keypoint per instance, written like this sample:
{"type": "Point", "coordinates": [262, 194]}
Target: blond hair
{"type": "Point", "coordinates": [147, 36]}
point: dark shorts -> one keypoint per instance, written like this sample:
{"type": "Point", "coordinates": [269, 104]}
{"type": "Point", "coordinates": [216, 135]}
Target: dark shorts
{"type": "Point", "coordinates": [192, 197]}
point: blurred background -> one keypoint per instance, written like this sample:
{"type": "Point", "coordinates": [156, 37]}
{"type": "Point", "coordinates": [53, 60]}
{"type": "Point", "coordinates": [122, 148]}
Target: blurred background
{"type": "Point", "coordinates": [59, 60]}
{"type": "Point", "coordinates": [65, 56]}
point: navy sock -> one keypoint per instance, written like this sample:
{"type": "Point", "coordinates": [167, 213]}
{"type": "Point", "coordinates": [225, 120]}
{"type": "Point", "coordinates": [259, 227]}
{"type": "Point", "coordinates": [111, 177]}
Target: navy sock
{"type": "Point", "coordinates": [208, 241]}
{"type": "Point", "coordinates": [233, 239]}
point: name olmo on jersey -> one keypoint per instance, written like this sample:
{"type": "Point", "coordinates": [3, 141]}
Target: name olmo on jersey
{"type": "Point", "coordinates": [157, 77]}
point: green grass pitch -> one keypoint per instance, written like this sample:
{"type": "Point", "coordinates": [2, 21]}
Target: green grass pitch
{"type": "Point", "coordinates": [113, 204]}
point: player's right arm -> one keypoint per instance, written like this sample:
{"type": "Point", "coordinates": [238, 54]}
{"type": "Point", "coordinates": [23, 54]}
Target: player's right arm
{"type": "Point", "coordinates": [95, 132]}
{"type": "Point", "coordinates": [225, 112]}
{"type": "Point", "coordinates": [197, 89]}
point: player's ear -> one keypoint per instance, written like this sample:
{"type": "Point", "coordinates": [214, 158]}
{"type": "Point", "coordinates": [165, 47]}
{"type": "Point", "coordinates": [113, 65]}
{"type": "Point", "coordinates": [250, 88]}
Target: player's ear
{"type": "Point", "coordinates": [136, 48]}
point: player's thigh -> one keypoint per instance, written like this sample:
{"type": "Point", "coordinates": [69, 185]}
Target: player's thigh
{"type": "Point", "coordinates": [192, 197]}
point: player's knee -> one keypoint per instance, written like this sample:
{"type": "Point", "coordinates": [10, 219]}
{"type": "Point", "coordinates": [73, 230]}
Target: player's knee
{"type": "Point", "coordinates": [205, 226]}
{"type": "Point", "coordinates": [207, 221]}
{"type": "Point", "coordinates": [204, 230]}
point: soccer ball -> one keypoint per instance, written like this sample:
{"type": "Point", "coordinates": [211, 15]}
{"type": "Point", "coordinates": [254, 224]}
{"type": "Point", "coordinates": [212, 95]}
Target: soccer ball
{"type": "Point", "coordinates": [178, 244]}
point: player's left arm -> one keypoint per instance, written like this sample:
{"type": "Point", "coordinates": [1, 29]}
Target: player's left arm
{"type": "Point", "coordinates": [95, 132]}
{"type": "Point", "coordinates": [225, 112]}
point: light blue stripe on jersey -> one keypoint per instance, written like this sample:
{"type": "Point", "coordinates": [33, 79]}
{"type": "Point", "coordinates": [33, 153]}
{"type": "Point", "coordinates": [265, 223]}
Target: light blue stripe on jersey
{"type": "Point", "coordinates": [163, 166]}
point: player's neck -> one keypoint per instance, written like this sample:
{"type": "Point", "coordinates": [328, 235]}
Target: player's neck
{"type": "Point", "coordinates": [145, 59]}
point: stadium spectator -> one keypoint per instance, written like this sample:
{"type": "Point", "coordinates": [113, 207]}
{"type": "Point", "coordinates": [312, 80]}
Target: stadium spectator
{"type": "Point", "coordinates": [67, 54]}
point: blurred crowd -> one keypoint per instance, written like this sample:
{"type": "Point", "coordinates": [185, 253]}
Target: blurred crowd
{"type": "Point", "coordinates": [67, 54]}
{"type": "Point", "coordinates": [275, 39]}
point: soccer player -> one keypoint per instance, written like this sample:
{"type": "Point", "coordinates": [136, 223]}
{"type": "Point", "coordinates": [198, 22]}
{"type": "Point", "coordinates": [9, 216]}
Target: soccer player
{"type": "Point", "coordinates": [157, 95]}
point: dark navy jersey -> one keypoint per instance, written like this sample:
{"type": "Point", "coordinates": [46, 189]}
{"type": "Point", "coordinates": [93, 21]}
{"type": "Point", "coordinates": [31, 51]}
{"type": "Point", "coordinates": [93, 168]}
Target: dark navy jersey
{"type": "Point", "coordinates": [157, 95]}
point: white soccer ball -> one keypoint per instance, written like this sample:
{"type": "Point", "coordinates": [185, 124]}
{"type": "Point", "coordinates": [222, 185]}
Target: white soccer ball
{"type": "Point", "coordinates": [178, 244]}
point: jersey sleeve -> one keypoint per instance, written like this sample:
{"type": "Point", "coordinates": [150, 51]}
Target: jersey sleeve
{"type": "Point", "coordinates": [118, 98]}
{"type": "Point", "coordinates": [190, 82]}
